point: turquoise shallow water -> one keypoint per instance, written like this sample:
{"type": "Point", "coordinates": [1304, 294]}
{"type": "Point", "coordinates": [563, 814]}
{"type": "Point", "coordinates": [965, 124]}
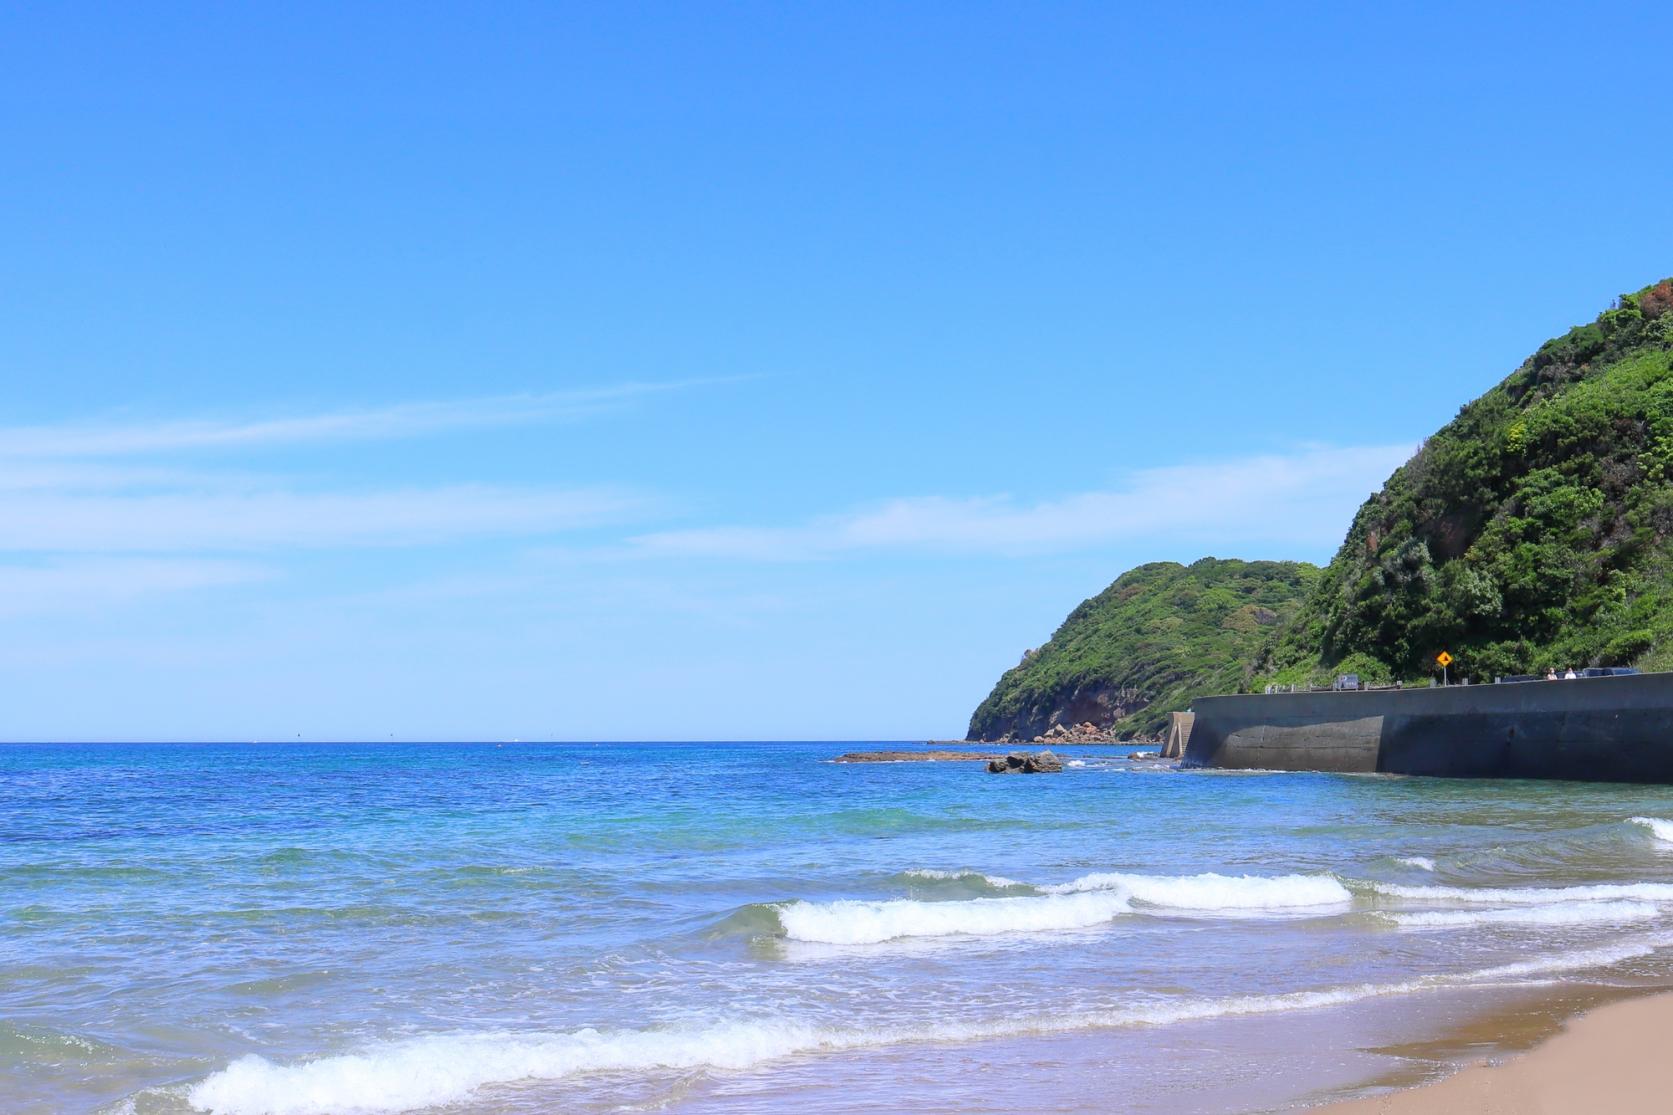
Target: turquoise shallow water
{"type": "Point", "coordinates": [710, 927]}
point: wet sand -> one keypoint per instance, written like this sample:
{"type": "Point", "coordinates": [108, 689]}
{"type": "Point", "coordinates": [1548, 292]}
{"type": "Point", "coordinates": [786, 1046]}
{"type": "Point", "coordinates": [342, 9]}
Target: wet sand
{"type": "Point", "coordinates": [1610, 1060]}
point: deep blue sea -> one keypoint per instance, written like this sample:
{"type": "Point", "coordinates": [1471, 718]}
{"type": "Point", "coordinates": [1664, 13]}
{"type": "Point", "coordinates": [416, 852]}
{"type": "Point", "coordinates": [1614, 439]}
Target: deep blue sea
{"type": "Point", "coordinates": [359, 928]}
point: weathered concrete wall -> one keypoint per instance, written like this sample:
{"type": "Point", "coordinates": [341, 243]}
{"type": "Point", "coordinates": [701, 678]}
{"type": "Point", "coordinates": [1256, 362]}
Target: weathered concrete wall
{"type": "Point", "coordinates": [1615, 729]}
{"type": "Point", "coordinates": [1179, 734]}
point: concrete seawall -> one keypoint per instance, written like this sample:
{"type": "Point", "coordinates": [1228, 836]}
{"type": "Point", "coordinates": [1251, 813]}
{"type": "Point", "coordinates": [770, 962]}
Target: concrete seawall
{"type": "Point", "coordinates": [1611, 729]}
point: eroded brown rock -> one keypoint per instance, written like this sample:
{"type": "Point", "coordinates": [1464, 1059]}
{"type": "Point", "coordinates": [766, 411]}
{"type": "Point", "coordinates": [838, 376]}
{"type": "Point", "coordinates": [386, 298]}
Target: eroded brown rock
{"type": "Point", "coordinates": [1084, 732]}
{"type": "Point", "coordinates": [1021, 762]}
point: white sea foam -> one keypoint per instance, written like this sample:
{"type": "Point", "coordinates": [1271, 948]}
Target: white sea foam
{"type": "Point", "coordinates": [1528, 896]}
{"type": "Point", "coordinates": [450, 1068]}
{"type": "Point", "coordinates": [1211, 892]}
{"type": "Point", "coordinates": [1078, 904]}
{"type": "Point", "coordinates": [1422, 863]}
{"type": "Point", "coordinates": [1660, 828]}
{"type": "Point", "coordinates": [1556, 913]}
{"type": "Point", "coordinates": [1629, 949]}
{"type": "Point", "coordinates": [429, 1071]}
{"type": "Point", "coordinates": [849, 922]}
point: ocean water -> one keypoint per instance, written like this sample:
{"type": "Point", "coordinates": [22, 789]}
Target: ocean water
{"type": "Point", "coordinates": [351, 928]}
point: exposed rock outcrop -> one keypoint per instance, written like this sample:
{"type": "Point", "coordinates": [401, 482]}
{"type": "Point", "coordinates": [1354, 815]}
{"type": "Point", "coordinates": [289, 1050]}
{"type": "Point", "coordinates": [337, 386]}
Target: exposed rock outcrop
{"type": "Point", "coordinates": [1084, 732]}
{"type": "Point", "coordinates": [1020, 762]}
{"type": "Point", "coordinates": [1081, 716]}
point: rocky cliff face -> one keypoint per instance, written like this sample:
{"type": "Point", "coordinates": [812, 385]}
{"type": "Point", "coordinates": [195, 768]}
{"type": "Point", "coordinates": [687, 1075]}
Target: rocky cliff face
{"type": "Point", "coordinates": [1097, 703]}
{"type": "Point", "coordinates": [1142, 648]}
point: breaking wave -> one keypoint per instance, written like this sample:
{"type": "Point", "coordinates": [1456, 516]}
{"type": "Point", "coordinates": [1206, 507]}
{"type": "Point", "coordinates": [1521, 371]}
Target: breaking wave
{"type": "Point", "coordinates": [450, 1068]}
{"type": "Point", "coordinates": [1660, 828]}
{"type": "Point", "coordinates": [1422, 863]}
{"type": "Point", "coordinates": [1529, 896]}
{"type": "Point", "coordinates": [1079, 904]}
{"type": "Point", "coordinates": [850, 922]}
{"type": "Point", "coordinates": [1211, 892]}
{"type": "Point", "coordinates": [1557, 913]}
{"type": "Point", "coordinates": [998, 882]}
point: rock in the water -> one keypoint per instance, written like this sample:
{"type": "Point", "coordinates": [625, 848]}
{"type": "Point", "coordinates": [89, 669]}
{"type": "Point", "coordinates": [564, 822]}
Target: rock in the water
{"type": "Point", "coordinates": [1021, 762]}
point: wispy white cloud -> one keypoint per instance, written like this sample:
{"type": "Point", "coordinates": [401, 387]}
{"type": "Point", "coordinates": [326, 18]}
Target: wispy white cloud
{"type": "Point", "coordinates": [99, 583]}
{"type": "Point", "coordinates": [401, 420]}
{"type": "Point", "coordinates": [210, 520]}
{"type": "Point", "coordinates": [91, 488]}
{"type": "Point", "coordinates": [1300, 498]}
{"type": "Point", "coordinates": [84, 476]}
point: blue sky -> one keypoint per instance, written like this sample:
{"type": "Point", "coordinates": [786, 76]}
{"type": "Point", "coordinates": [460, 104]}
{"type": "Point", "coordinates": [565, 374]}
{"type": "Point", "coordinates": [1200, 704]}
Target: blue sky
{"type": "Point", "coordinates": [739, 371]}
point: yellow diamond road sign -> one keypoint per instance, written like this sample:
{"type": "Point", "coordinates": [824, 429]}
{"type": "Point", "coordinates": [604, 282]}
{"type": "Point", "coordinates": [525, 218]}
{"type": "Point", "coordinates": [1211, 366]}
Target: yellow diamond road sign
{"type": "Point", "coordinates": [1444, 658]}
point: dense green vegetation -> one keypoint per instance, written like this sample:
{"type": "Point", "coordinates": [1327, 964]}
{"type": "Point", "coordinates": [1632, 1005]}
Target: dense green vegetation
{"type": "Point", "coordinates": [1534, 530]}
{"type": "Point", "coordinates": [1158, 636]}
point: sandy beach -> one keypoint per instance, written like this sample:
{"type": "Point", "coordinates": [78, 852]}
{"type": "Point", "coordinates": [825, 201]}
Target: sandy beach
{"type": "Point", "coordinates": [1609, 1060]}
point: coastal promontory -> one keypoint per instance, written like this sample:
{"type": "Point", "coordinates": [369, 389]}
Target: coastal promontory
{"type": "Point", "coordinates": [1142, 648]}
{"type": "Point", "coordinates": [1535, 530]}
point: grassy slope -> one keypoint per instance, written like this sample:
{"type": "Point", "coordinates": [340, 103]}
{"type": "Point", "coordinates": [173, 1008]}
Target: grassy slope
{"type": "Point", "coordinates": [1534, 530]}
{"type": "Point", "coordinates": [1164, 630]}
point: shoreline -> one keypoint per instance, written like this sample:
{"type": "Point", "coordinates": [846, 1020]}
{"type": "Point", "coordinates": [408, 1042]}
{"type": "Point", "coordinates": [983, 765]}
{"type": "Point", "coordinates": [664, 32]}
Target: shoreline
{"type": "Point", "coordinates": [1606, 1058]}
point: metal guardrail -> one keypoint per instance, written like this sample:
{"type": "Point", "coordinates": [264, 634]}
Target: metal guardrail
{"type": "Point", "coordinates": [1514, 679]}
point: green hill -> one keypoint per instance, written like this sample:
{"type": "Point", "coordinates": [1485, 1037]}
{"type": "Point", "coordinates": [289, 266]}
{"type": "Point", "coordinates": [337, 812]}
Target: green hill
{"type": "Point", "coordinates": [1534, 530]}
{"type": "Point", "coordinates": [1158, 636]}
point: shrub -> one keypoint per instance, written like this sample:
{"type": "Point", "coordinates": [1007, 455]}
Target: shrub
{"type": "Point", "coordinates": [1657, 300]}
